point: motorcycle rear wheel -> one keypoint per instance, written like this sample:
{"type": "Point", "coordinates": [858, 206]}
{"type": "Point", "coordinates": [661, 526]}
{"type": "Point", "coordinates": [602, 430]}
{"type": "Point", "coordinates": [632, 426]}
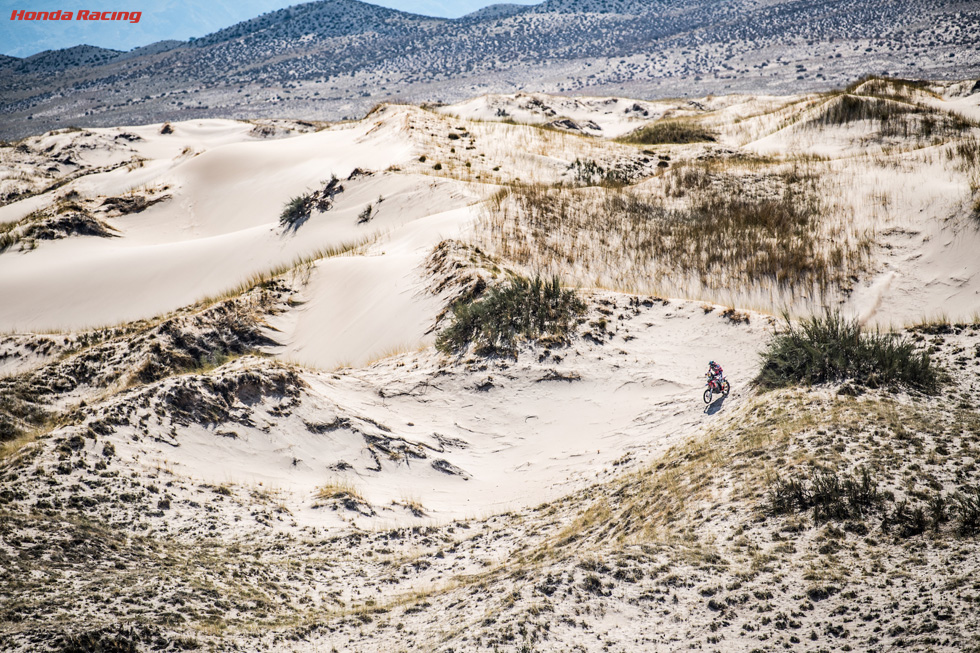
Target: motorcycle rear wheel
{"type": "Point", "coordinates": [725, 387]}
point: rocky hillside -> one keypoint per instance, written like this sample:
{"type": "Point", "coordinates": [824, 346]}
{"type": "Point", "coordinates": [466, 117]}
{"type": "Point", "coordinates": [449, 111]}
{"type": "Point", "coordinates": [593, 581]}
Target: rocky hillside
{"type": "Point", "coordinates": [336, 58]}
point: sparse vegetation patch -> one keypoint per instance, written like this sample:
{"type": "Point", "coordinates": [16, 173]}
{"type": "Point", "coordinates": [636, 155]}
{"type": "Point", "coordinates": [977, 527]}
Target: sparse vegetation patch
{"type": "Point", "coordinates": [828, 494]}
{"type": "Point", "coordinates": [296, 210]}
{"type": "Point", "coordinates": [587, 172]}
{"type": "Point", "coordinates": [52, 225]}
{"type": "Point", "coordinates": [722, 237]}
{"type": "Point", "coordinates": [835, 496]}
{"type": "Point", "coordinates": [892, 116]}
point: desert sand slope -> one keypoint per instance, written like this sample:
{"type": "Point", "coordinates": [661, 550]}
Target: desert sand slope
{"type": "Point", "coordinates": [895, 203]}
{"type": "Point", "coordinates": [355, 309]}
{"type": "Point", "coordinates": [605, 116]}
{"type": "Point", "coordinates": [225, 506]}
{"type": "Point", "coordinates": [513, 435]}
{"type": "Point", "coordinates": [224, 425]}
{"type": "Point", "coordinates": [889, 168]}
{"type": "Point", "coordinates": [219, 226]}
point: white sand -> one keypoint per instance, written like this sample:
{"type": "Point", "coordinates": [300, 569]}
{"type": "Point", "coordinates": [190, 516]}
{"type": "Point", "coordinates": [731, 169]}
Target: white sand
{"type": "Point", "coordinates": [519, 438]}
{"type": "Point", "coordinates": [526, 440]}
{"type": "Point", "coordinates": [220, 227]}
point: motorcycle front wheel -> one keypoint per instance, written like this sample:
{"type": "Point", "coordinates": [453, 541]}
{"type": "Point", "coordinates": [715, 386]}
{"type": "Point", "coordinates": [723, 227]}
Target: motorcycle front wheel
{"type": "Point", "coordinates": [707, 396]}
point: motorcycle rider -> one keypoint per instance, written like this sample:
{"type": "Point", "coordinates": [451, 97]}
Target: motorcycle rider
{"type": "Point", "coordinates": [715, 374]}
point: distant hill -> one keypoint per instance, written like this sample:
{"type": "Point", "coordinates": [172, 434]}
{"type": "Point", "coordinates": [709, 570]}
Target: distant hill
{"type": "Point", "coordinates": [496, 11]}
{"type": "Point", "coordinates": [627, 7]}
{"type": "Point", "coordinates": [336, 58]}
{"type": "Point", "coordinates": [56, 60]}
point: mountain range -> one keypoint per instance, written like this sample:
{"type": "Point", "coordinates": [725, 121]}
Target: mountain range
{"type": "Point", "coordinates": [334, 59]}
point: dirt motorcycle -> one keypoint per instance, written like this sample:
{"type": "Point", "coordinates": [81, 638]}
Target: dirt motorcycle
{"type": "Point", "coordinates": [720, 386]}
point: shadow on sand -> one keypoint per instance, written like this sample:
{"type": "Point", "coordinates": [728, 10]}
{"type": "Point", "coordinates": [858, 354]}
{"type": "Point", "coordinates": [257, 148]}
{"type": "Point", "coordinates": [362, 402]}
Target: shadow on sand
{"type": "Point", "coordinates": [715, 405]}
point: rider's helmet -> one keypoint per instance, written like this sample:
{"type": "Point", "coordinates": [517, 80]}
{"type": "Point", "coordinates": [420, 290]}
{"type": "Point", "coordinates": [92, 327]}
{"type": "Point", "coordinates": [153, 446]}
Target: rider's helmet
{"type": "Point", "coordinates": [711, 363]}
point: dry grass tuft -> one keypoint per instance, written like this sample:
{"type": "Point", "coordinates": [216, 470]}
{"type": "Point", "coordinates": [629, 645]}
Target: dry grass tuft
{"type": "Point", "coordinates": [779, 239]}
{"type": "Point", "coordinates": [339, 490]}
{"type": "Point", "coordinates": [894, 107]}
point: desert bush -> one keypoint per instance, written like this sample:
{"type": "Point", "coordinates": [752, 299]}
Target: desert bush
{"type": "Point", "coordinates": [968, 509]}
{"type": "Point", "coordinates": [939, 510]}
{"type": "Point", "coordinates": [830, 495]}
{"type": "Point", "coordinates": [670, 132]}
{"type": "Point", "coordinates": [296, 210]}
{"type": "Point", "coordinates": [587, 172]}
{"type": "Point", "coordinates": [593, 585]}
{"type": "Point", "coordinates": [521, 309]}
{"type": "Point", "coordinates": [828, 348]}
{"type": "Point", "coordinates": [366, 214]}
{"type": "Point", "coordinates": [790, 495]}
{"type": "Point", "coordinates": [906, 521]}
{"type": "Point", "coordinates": [299, 208]}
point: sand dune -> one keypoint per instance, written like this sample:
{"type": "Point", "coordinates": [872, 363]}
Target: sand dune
{"type": "Point", "coordinates": [311, 472]}
{"type": "Point", "coordinates": [220, 226]}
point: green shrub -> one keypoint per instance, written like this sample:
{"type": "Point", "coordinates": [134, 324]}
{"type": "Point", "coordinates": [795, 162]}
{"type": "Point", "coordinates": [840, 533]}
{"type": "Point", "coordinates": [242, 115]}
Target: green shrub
{"type": "Point", "coordinates": [296, 210]}
{"type": "Point", "coordinates": [529, 309]}
{"type": "Point", "coordinates": [589, 173]}
{"type": "Point", "coordinates": [8, 429]}
{"type": "Point", "coordinates": [829, 495]}
{"type": "Point", "coordinates": [366, 214]}
{"type": "Point", "coordinates": [670, 131]}
{"type": "Point", "coordinates": [906, 521]}
{"type": "Point", "coordinates": [830, 348]}
{"type": "Point", "coordinates": [968, 508]}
